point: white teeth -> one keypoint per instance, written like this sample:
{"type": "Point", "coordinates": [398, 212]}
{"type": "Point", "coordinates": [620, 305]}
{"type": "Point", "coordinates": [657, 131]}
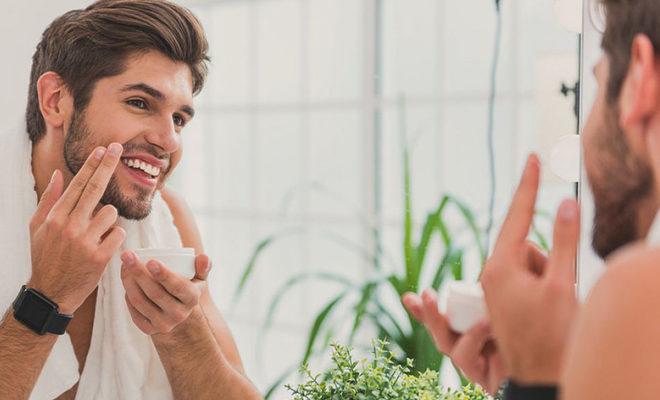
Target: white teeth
{"type": "Point", "coordinates": [139, 164]}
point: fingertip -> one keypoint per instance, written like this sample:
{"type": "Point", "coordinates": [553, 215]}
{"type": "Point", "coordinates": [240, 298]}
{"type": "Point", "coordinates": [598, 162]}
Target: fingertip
{"type": "Point", "coordinates": [99, 152]}
{"type": "Point", "coordinates": [128, 257]}
{"type": "Point", "coordinates": [410, 299]}
{"type": "Point", "coordinates": [115, 149]}
{"type": "Point", "coordinates": [155, 268]}
{"type": "Point", "coordinates": [568, 210]}
{"type": "Point", "coordinates": [429, 296]}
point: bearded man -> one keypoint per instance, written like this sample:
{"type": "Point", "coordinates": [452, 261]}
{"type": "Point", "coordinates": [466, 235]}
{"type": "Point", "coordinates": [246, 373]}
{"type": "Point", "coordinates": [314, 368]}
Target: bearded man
{"type": "Point", "coordinates": [111, 92]}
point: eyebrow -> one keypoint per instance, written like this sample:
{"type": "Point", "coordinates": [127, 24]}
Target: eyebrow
{"type": "Point", "coordinates": [156, 94]}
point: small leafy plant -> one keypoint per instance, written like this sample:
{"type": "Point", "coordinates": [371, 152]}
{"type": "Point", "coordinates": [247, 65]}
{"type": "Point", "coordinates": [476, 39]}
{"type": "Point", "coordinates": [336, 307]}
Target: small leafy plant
{"type": "Point", "coordinates": [382, 378]}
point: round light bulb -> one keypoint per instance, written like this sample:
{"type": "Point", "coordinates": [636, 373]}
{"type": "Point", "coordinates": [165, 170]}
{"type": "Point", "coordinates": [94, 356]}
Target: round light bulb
{"type": "Point", "coordinates": [569, 14]}
{"type": "Point", "coordinates": [565, 158]}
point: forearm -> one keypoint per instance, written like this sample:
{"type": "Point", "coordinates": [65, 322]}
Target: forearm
{"type": "Point", "coordinates": [23, 354]}
{"type": "Point", "coordinates": [196, 366]}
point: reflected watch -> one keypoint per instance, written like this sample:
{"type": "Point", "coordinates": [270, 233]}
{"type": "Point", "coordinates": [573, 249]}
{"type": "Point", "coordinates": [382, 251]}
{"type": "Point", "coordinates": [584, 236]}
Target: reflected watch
{"type": "Point", "coordinates": [39, 313]}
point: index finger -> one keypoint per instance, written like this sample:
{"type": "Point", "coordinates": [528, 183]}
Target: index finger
{"type": "Point", "coordinates": [98, 182]}
{"type": "Point", "coordinates": [176, 285]}
{"type": "Point", "coordinates": [72, 194]}
{"type": "Point", "coordinates": [436, 323]}
{"type": "Point", "coordinates": [519, 218]}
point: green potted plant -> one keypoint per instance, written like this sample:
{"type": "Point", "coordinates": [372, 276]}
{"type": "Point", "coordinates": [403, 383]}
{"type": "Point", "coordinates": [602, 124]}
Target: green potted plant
{"type": "Point", "coordinates": [380, 378]}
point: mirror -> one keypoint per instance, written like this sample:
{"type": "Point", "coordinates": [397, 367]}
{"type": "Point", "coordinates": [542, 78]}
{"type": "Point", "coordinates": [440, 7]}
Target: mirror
{"type": "Point", "coordinates": [346, 151]}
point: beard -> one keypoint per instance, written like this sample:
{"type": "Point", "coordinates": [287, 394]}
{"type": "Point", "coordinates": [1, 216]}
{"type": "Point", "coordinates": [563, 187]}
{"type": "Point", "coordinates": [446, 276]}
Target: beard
{"type": "Point", "coordinates": [78, 145]}
{"type": "Point", "coordinates": [622, 183]}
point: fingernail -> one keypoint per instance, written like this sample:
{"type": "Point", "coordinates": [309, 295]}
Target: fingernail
{"type": "Point", "coordinates": [208, 267]}
{"type": "Point", "coordinates": [98, 153]}
{"type": "Point", "coordinates": [568, 210]}
{"type": "Point", "coordinates": [127, 258]}
{"type": "Point", "coordinates": [115, 149]}
{"type": "Point", "coordinates": [153, 267]}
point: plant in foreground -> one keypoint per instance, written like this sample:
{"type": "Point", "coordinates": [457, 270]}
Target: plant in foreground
{"type": "Point", "coordinates": [381, 378]}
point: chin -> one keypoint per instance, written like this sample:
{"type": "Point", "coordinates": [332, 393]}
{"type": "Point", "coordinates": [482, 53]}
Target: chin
{"type": "Point", "coordinates": [132, 204]}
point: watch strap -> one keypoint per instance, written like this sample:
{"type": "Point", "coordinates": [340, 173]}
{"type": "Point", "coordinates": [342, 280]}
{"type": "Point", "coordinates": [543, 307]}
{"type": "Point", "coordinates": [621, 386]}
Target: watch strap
{"type": "Point", "coordinates": [30, 302]}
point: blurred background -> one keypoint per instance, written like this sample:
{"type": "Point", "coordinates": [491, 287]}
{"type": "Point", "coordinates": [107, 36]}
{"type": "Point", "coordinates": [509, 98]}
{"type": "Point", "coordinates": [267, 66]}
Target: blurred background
{"type": "Point", "coordinates": [294, 164]}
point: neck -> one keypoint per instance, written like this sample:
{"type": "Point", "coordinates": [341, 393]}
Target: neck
{"type": "Point", "coordinates": [649, 209]}
{"type": "Point", "coordinates": [47, 156]}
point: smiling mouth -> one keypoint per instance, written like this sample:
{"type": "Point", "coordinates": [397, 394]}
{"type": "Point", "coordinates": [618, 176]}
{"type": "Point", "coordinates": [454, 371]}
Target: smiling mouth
{"type": "Point", "coordinates": [142, 168]}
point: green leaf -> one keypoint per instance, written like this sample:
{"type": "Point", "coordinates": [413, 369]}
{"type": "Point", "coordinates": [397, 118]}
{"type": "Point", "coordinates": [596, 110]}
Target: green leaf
{"type": "Point", "coordinates": [433, 221]}
{"type": "Point", "coordinates": [318, 324]}
{"type": "Point", "coordinates": [472, 224]}
{"type": "Point", "coordinates": [259, 249]}
{"type": "Point", "coordinates": [361, 308]}
{"type": "Point", "coordinates": [452, 257]}
{"type": "Point", "coordinates": [456, 263]}
{"type": "Point", "coordinates": [277, 297]}
{"type": "Point", "coordinates": [388, 315]}
{"type": "Point", "coordinates": [277, 384]}
{"type": "Point", "coordinates": [540, 239]}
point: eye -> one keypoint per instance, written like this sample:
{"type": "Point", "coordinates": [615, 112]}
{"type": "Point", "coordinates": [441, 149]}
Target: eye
{"type": "Point", "coordinates": [138, 103]}
{"type": "Point", "coordinates": [179, 120]}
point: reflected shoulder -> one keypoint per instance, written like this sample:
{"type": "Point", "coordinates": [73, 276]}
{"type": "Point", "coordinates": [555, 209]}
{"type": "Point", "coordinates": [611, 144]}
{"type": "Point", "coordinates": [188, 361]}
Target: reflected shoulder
{"type": "Point", "coordinates": [617, 336]}
{"type": "Point", "coordinates": [184, 220]}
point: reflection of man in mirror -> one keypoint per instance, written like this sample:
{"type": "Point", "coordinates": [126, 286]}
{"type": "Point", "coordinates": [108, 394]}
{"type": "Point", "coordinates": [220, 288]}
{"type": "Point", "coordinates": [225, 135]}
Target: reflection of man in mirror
{"type": "Point", "coordinates": [111, 91]}
{"type": "Point", "coordinates": [614, 350]}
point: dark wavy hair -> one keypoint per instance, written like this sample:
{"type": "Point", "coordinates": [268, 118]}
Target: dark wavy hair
{"type": "Point", "coordinates": [83, 46]}
{"type": "Point", "coordinates": [624, 20]}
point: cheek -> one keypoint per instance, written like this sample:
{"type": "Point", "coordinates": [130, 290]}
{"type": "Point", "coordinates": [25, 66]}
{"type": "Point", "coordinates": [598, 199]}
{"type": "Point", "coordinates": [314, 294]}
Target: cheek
{"type": "Point", "coordinates": [591, 135]}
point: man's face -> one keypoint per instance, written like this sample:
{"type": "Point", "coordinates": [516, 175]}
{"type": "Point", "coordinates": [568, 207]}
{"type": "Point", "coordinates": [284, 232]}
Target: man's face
{"type": "Point", "coordinates": [619, 179]}
{"type": "Point", "coordinates": [144, 108]}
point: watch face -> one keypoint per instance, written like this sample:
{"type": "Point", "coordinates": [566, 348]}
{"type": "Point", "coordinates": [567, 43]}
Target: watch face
{"type": "Point", "coordinates": [34, 311]}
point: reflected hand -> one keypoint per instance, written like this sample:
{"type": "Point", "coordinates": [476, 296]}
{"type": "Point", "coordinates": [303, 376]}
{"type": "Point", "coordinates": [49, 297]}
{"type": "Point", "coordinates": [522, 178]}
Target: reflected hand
{"type": "Point", "coordinates": [531, 299]}
{"type": "Point", "coordinates": [157, 298]}
{"type": "Point", "coordinates": [474, 352]}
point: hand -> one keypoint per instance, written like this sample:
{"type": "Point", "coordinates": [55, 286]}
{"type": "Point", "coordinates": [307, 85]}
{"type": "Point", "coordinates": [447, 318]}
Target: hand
{"type": "Point", "coordinates": [70, 243]}
{"type": "Point", "coordinates": [474, 352]}
{"type": "Point", "coordinates": [157, 298]}
{"type": "Point", "coordinates": [531, 299]}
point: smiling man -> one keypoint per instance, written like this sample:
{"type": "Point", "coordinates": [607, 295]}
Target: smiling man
{"type": "Point", "coordinates": [111, 92]}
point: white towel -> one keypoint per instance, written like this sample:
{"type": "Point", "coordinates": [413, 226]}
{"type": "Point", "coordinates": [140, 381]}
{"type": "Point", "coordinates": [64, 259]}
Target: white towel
{"type": "Point", "coordinates": [122, 362]}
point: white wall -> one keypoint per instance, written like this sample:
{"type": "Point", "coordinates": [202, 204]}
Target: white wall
{"type": "Point", "coordinates": [20, 31]}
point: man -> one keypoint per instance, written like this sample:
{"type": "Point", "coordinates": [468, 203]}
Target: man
{"type": "Point", "coordinates": [110, 94]}
{"type": "Point", "coordinates": [615, 348]}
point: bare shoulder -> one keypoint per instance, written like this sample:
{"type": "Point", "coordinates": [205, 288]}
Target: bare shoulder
{"type": "Point", "coordinates": [184, 220]}
{"type": "Point", "coordinates": [617, 336]}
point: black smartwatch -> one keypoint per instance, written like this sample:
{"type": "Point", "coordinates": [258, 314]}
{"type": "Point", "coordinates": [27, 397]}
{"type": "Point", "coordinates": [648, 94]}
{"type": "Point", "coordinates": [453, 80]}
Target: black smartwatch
{"type": "Point", "coordinates": [515, 391]}
{"type": "Point", "coordinates": [39, 313]}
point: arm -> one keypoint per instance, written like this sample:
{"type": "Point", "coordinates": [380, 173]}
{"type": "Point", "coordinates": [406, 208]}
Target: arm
{"type": "Point", "coordinates": [62, 225]}
{"type": "Point", "coordinates": [212, 355]}
{"type": "Point", "coordinates": [616, 347]}
{"type": "Point", "coordinates": [23, 354]}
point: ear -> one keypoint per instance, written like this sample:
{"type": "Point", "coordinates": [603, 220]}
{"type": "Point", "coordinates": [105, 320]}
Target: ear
{"type": "Point", "coordinates": [55, 103]}
{"type": "Point", "coordinates": [640, 88]}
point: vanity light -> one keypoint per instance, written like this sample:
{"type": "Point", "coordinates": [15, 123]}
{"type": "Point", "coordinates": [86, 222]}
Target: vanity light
{"type": "Point", "coordinates": [565, 158]}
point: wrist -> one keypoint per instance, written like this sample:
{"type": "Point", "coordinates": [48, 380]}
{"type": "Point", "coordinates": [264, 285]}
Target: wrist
{"type": "Point", "coordinates": [541, 376]}
{"type": "Point", "coordinates": [64, 304]}
{"type": "Point", "coordinates": [186, 330]}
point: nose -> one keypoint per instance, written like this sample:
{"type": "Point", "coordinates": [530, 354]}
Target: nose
{"type": "Point", "coordinates": [164, 135]}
